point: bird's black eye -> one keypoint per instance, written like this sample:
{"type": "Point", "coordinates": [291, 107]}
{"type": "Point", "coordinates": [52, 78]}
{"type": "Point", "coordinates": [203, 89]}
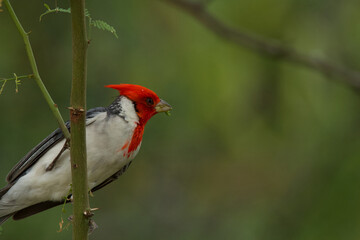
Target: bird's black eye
{"type": "Point", "coordinates": [150, 101]}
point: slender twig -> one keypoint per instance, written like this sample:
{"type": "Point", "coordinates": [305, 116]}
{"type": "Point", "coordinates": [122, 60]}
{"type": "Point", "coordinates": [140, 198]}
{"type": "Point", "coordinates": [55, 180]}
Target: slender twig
{"type": "Point", "coordinates": [34, 68]}
{"type": "Point", "coordinates": [17, 78]}
{"type": "Point", "coordinates": [81, 219]}
{"type": "Point", "coordinates": [55, 10]}
{"type": "Point", "coordinates": [270, 47]}
{"type": "Point", "coordinates": [63, 149]}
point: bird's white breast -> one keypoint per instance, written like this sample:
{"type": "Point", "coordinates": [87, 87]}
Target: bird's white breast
{"type": "Point", "coordinates": [107, 142]}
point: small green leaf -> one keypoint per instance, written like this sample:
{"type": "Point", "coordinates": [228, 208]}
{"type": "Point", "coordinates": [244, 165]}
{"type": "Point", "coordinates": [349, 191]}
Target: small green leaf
{"type": "Point", "coordinates": [66, 198]}
{"type": "Point", "coordinates": [17, 83]}
{"type": "Point", "coordinates": [168, 113]}
{"type": "Point", "coordinates": [56, 10]}
{"type": "Point", "coordinates": [47, 6]}
{"type": "Point", "coordinates": [87, 13]}
{"type": "Point", "coordinates": [96, 23]}
{"type": "Point", "coordinates": [104, 26]}
{"type": "Point", "coordinates": [63, 10]}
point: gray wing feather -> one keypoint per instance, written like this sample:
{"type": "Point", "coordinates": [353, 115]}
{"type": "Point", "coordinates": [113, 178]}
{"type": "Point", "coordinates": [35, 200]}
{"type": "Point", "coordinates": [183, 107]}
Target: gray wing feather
{"type": "Point", "coordinates": [37, 152]}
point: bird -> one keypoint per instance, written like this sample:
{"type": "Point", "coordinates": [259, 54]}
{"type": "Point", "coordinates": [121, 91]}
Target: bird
{"type": "Point", "coordinates": [42, 178]}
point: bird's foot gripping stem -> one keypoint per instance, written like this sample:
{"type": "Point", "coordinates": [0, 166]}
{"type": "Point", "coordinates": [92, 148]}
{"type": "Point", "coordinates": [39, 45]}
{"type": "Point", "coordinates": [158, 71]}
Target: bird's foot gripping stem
{"type": "Point", "coordinates": [88, 214]}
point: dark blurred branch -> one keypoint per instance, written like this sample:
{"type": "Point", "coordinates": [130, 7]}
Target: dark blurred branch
{"type": "Point", "coordinates": [270, 47]}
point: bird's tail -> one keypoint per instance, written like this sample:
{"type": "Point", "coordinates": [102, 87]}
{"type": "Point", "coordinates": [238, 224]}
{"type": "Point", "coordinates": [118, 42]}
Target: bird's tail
{"type": "Point", "coordinates": [5, 214]}
{"type": "Point", "coordinates": [18, 212]}
{"type": "Point", "coordinates": [4, 218]}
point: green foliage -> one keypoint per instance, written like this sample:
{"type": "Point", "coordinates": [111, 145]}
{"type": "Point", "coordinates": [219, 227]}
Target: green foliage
{"type": "Point", "coordinates": [3, 86]}
{"type": "Point", "coordinates": [16, 79]}
{"type": "Point", "coordinates": [17, 83]}
{"type": "Point", "coordinates": [100, 24]}
{"type": "Point", "coordinates": [103, 26]}
{"type": "Point", "coordinates": [66, 198]}
{"type": "Point", "coordinates": [55, 10]}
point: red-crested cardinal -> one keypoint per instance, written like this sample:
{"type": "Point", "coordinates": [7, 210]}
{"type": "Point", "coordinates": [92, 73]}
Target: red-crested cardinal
{"type": "Point", "coordinates": [42, 179]}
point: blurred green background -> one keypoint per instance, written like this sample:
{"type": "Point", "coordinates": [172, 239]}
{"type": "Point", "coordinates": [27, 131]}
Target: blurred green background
{"type": "Point", "coordinates": [255, 148]}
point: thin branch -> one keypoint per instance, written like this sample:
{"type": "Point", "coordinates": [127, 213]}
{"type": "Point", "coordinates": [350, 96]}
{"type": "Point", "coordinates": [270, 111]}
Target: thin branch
{"type": "Point", "coordinates": [34, 68]}
{"type": "Point", "coordinates": [63, 149]}
{"type": "Point", "coordinates": [55, 10]}
{"type": "Point", "coordinates": [17, 78]}
{"type": "Point", "coordinates": [270, 47]}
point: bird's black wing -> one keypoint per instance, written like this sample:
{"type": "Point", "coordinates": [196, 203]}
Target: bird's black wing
{"type": "Point", "coordinates": [37, 152]}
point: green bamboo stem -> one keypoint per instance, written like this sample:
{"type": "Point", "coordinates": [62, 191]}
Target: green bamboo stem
{"type": "Point", "coordinates": [34, 68]}
{"type": "Point", "coordinates": [77, 115]}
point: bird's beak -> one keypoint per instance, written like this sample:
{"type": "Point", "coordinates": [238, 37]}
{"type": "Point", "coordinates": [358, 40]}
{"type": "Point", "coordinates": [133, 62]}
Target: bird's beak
{"type": "Point", "coordinates": [162, 106]}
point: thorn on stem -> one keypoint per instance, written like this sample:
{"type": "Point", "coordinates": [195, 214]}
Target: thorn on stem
{"type": "Point", "coordinates": [88, 213]}
{"type": "Point", "coordinates": [76, 111]}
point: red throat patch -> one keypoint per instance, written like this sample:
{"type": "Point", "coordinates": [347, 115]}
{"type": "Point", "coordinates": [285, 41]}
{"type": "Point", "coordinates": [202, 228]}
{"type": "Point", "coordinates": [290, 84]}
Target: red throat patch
{"type": "Point", "coordinates": [136, 138]}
